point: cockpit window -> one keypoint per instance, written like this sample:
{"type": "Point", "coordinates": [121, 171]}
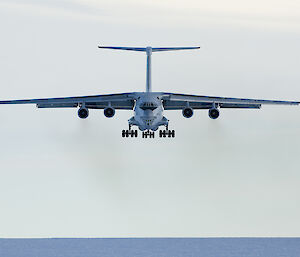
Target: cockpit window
{"type": "Point", "coordinates": [148, 106]}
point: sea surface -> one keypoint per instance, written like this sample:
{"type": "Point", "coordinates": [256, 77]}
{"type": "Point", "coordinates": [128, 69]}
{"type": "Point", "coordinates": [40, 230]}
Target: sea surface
{"type": "Point", "coordinates": [146, 247]}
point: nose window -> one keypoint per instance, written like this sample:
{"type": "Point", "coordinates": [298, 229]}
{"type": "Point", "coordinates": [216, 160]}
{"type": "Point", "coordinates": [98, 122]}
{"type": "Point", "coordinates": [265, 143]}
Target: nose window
{"type": "Point", "coordinates": [148, 106]}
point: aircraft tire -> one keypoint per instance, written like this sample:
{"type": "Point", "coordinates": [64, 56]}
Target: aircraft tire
{"type": "Point", "coordinates": [173, 133]}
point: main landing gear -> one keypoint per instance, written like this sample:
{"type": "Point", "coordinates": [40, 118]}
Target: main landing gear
{"type": "Point", "coordinates": [129, 133]}
{"type": "Point", "coordinates": [167, 133]}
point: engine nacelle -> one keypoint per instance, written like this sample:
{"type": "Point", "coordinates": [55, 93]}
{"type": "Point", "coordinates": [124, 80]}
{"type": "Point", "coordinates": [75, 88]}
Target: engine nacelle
{"type": "Point", "coordinates": [83, 113]}
{"type": "Point", "coordinates": [187, 112]}
{"type": "Point", "coordinates": [109, 112]}
{"type": "Point", "coordinates": [213, 113]}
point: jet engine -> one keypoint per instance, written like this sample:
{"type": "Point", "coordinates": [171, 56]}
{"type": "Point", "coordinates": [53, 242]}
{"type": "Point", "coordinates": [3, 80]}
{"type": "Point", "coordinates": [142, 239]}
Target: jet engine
{"type": "Point", "coordinates": [83, 113]}
{"type": "Point", "coordinates": [109, 112]}
{"type": "Point", "coordinates": [187, 112]}
{"type": "Point", "coordinates": [213, 113]}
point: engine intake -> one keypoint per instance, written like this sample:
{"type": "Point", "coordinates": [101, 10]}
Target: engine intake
{"type": "Point", "coordinates": [213, 113]}
{"type": "Point", "coordinates": [83, 113]}
{"type": "Point", "coordinates": [187, 112]}
{"type": "Point", "coordinates": [109, 112]}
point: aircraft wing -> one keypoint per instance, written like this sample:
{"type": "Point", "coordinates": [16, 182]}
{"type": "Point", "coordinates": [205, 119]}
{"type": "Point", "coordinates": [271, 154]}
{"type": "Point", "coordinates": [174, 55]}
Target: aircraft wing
{"type": "Point", "coordinates": [118, 101]}
{"type": "Point", "coordinates": [179, 101]}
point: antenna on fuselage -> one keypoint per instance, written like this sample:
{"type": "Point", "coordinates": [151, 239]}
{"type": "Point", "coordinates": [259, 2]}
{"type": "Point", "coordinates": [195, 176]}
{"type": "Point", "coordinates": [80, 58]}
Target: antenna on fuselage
{"type": "Point", "coordinates": [149, 50]}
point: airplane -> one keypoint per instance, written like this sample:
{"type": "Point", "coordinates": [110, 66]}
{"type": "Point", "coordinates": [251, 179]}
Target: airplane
{"type": "Point", "coordinates": [149, 106]}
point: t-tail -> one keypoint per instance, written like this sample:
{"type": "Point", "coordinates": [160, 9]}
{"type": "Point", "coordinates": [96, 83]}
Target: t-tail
{"type": "Point", "coordinates": [149, 50]}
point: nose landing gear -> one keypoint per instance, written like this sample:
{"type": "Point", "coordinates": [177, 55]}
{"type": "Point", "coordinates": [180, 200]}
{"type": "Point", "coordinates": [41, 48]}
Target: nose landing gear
{"type": "Point", "coordinates": [148, 133]}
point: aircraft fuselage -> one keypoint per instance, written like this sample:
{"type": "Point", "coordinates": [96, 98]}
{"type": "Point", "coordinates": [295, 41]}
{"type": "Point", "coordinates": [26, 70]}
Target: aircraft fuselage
{"type": "Point", "coordinates": [148, 112]}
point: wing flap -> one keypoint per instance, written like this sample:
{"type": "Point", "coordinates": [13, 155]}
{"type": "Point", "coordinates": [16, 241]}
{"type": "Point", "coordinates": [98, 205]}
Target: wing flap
{"type": "Point", "coordinates": [223, 100]}
{"type": "Point", "coordinates": [178, 105]}
{"type": "Point", "coordinates": [57, 105]}
{"type": "Point", "coordinates": [240, 106]}
{"type": "Point", "coordinates": [121, 105]}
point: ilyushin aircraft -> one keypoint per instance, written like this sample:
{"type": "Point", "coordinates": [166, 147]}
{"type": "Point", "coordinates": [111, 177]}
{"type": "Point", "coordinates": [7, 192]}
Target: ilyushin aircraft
{"type": "Point", "coordinates": [149, 106]}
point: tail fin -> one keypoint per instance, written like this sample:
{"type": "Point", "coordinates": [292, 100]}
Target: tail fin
{"type": "Point", "coordinates": [149, 50]}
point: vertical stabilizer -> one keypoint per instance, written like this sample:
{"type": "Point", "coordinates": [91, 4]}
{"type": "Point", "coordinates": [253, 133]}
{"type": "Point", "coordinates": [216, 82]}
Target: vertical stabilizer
{"type": "Point", "coordinates": [149, 50]}
{"type": "Point", "coordinates": [148, 72]}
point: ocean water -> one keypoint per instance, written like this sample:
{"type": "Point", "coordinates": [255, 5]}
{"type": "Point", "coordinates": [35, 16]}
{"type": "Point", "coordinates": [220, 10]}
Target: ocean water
{"type": "Point", "coordinates": [148, 247]}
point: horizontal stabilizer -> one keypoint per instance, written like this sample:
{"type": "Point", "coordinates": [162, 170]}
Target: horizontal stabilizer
{"type": "Point", "coordinates": [144, 49]}
{"type": "Point", "coordinates": [139, 49]}
{"type": "Point", "coordinates": [161, 49]}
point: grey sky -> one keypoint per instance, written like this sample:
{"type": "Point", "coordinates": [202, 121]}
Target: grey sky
{"type": "Point", "coordinates": [236, 176]}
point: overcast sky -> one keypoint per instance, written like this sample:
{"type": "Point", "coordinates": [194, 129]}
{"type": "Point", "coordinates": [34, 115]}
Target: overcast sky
{"type": "Point", "coordinates": [65, 177]}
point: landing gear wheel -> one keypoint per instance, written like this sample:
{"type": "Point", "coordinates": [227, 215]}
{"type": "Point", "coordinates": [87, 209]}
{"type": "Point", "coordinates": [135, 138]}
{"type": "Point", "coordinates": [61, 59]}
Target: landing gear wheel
{"type": "Point", "coordinates": [173, 133]}
{"type": "Point", "coordinates": [131, 133]}
{"type": "Point", "coordinates": [160, 133]}
{"type": "Point", "coordinates": [148, 133]}
{"type": "Point", "coordinates": [167, 133]}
